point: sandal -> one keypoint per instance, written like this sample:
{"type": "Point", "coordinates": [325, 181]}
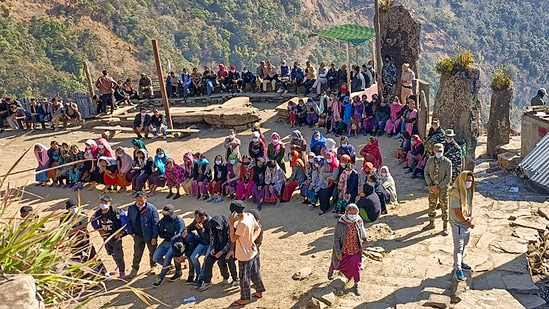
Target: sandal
{"type": "Point", "coordinates": [257, 295]}
{"type": "Point", "coordinates": [237, 304]}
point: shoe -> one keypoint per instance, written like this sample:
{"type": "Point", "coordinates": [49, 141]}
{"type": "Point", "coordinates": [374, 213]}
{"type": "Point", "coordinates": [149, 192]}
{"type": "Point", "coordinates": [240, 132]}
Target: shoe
{"type": "Point", "coordinates": [164, 137]}
{"type": "Point", "coordinates": [277, 204]}
{"type": "Point", "coordinates": [429, 226]}
{"type": "Point", "coordinates": [219, 200]}
{"type": "Point", "coordinates": [169, 195]}
{"type": "Point", "coordinates": [190, 281]}
{"type": "Point", "coordinates": [409, 171]}
{"type": "Point", "coordinates": [175, 276]}
{"type": "Point", "coordinates": [204, 286]}
{"type": "Point", "coordinates": [279, 90]}
{"type": "Point", "coordinates": [122, 275]}
{"type": "Point", "coordinates": [198, 197]}
{"type": "Point", "coordinates": [285, 91]}
{"type": "Point", "coordinates": [211, 199]}
{"type": "Point", "coordinates": [235, 283]}
{"type": "Point", "coordinates": [465, 266]}
{"type": "Point", "coordinates": [415, 176]}
{"type": "Point", "coordinates": [177, 196]}
{"type": "Point", "coordinates": [459, 275]}
{"type": "Point", "coordinates": [438, 206]}
{"type": "Point", "coordinates": [444, 232]}
{"type": "Point", "coordinates": [205, 197]}
{"type": "Point", "coordinates": [356, 290]}
{"type": "Point", "coordinates": [132, 274]}
{"type": "Point", "coordinates": [259, 206]}
{"type": "Point", "coordinates": [158, 282]}
{"type": "Point", "coordinates": [312, 207]}
{"type": "Point", "coordinates": [330, 275]}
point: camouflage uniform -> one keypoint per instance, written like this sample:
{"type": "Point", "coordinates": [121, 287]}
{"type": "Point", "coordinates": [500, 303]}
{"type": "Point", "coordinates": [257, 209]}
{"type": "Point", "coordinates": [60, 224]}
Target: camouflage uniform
{"type": "Point", "coordinates": [452, 151]}
{"type": "Point", "coordinates": [389, 79]}
{"type": "Point", "coordinates": [433, 137]}
{"type": "Point", "coordinates": [438, 172]}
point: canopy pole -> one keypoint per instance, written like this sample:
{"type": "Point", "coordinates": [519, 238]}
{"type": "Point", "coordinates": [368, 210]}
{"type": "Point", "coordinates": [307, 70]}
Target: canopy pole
{"type": "Point", "coordinates": [165, 100]}
{"type": "Point", "coordinates": [348, 69]}
{"type": "Point", "coordinates": [356, 54]}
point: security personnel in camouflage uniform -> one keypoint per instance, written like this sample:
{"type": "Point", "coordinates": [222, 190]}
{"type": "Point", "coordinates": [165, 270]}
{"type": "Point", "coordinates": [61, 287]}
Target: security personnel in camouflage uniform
{"type": "Point", "coordinates": [452, 151]}
{"type": "Point", "coordinates": [438, 174]}
{"type": "Point", "coordinates": [435, 135]}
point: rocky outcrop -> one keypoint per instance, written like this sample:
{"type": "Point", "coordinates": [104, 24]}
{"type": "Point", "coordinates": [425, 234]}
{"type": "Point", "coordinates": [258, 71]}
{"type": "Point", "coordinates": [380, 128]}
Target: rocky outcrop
{"type": "Point", "coordinates": [235, 112]}
{"type": "Point", "coordinates": [457, 107]}
{"type": "Point", "coordinates": [400, 34]}
{"type": "Point", "coordinates": [499, 125]}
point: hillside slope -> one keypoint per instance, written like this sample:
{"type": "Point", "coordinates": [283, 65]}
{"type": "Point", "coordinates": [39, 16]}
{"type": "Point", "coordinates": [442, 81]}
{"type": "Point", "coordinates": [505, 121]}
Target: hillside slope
{"type": "Point", "coordinates": [44, 42]}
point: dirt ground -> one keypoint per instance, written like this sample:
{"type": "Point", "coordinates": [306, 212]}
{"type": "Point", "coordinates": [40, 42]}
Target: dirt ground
{"type": "Point", "coordinates": [294, 236]}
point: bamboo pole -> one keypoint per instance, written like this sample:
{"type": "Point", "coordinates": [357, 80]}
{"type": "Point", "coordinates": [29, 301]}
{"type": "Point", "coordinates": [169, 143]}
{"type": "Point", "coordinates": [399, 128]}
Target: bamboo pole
{"type": "Point", "coordinates": [165, 100]}
{"type": "Point", "coordinates": [377, 58]}
{"type": "Point", "coordinates": [348, 68]}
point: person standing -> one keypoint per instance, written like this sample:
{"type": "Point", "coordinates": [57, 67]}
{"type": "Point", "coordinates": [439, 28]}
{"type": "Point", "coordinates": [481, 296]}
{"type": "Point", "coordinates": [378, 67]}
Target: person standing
{"type": "Point", "coordinates": [538, 99]}
{"type": "Point", "coordinates": [452, 151]}
{"type": "Point", "coordinates": [169, 226]}
{"type": "Point", "coordinates": [106, 86]}
{"type": "Point", "coordinates": [243, 231]}
{"type": "Point", "coordinates": [438, 174]}
{"type": "Point", "coordinates": [110, 222]}
{"type": "Point", "coordinates": [349, 237]}
{"type": "Point", "coordinates": [406, 78]}
{"type": "Point", "coordinates": [143, 227]}
{"type": "Point", "coordinates": [461, 218]}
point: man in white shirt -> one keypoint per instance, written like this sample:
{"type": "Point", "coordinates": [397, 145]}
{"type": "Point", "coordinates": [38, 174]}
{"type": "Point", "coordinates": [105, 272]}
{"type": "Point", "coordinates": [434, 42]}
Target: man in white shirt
{"type": "Point", "coordinates": [243, 230]}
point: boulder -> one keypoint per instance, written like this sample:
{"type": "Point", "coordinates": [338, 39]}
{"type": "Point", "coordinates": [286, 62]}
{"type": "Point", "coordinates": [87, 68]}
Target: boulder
{"type": "Point", "coordinates": [237, 111]}
{"type": "Point", "coordinates": [508, 161]}
{"type": "Point", "coordinates": [438, 301]}
{"type": "Point", "coordinates": [303, 273]}
{"type": "Point", "coordinates": [19, 292]}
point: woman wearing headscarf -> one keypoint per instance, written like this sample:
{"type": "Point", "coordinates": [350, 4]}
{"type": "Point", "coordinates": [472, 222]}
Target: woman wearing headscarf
{"type": "Point", "coordinates": [276, 150]}
{"type": "Point", "coordinates": [137, 144]}
{"type": "Point", "coordinates": [318, 142]}
{"type": "Point", "coordinates": [78, 168]}
{"type": "Point", "coordinates": [414, 156]}
{"type": "Point", "coordinates": [334, 113]}
{"type": "Point", "coordinates": [223, 76]}
{"type": "Point", "coordinates": [275, 179]}
{"type": "Point", "coordinates": [256, 147]}
{"type": "Point", "coordinates": [258, 189]}
{"type": "Point", "coordinates": [245, 185]}
{"type": "Point", "coordinates": [158, 177]}
{"type": "Point", "coordinates": [371, 152]}
{"type": "Point", "coordinates": [175, 176]}
{"type": "Point", "coordinates": [357, 110]}
{"type": "Point", "coordinates": [201, 176]}
{"type": "Point", "coordinates": [347, 184]}
{"type": "Point", "coordinates": [349, 236]}
{"type": "Point", "coordinates": [124, 163]}
{"type": "Point", "coordinates": [410, 118]}
{"type": "Point", "coordinates": [347, 108]}
{"type": "Point", "coordinates": [188, 161]}
{"type": "Point", "coordinates": [312, 113]}
{"type": "Point", "coordinates": [345, 148]}
{"type": "Point", "coordinates": [329, 173]}
{"type": "Point", "coordinates": [54, 154]}
{"type": "Point", "coordinates": [105, 148]}
{"type": "Point", "coordinates": [108, 168]}
{"type": "Point", "coordinates": [143, 168]}
{"type": "Point", "coordinates": [369, 203]}
{"type": "Point", "coordinates": [317, 182]}
{"type": "Point", "coordinates": [309, 167]}
{"type": "Point", "coordinates": [233, 175]}
{"type": "Point", "coordinates": [219, 177]}
{"type": "Point", "coordinates": [382, 114]}
{"type": "Point", "coordinates": [461, 217]}
{"type": "Point", "coordinates": [90, 154]}
{"type": "Point", "coordinates": [301, 113]}
{"type": "Point", "coordinates": [298, 143]}
{"type": "Point", "coordinates": [392, 127]}
{"type": "Point", "coordinates": [368, 117]}
{"type": "Point", "coordinates": [387, 181]}
{"type": "Point", "coordinates": [297, 178]}
{"type": "Point", "coordinates": [41, 154]}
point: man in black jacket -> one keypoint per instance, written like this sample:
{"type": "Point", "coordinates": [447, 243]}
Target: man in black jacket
{"type": "Point", "coordinates": [183, 248]}
{"type": "Point", "coordinates": [199, 226]}
{"type": "Point", "coordinates": [169, 226]}
{"type": "Point", "coordinates": [220, 246]}
{"type": "Point", "coordinates": [141, 123]}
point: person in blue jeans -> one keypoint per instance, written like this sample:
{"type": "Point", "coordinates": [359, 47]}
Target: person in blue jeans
{"type": "Point", "coordinates": [200, 227]}
{"type": "Point", "coordinates": [169, 226]}
{"type": "Point", "coordinates": [182, 248]}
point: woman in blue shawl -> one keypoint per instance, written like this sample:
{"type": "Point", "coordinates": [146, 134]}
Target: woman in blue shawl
{"type": "Point", "coordinates": [317, 142]}
{"type": "Point", "coordinates": [158, 177]}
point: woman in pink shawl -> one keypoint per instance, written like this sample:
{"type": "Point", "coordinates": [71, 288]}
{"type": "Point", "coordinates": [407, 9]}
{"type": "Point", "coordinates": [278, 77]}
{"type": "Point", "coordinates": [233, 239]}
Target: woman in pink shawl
{"type": "Point", "coordinates": [103, 150]}
{"type": "Point", "coordinates": [187, 165]}
{"type": "Point", "coordinates": [276, 150]}
{"type": "Point", "coordinates": [103, 144]}
{"type": "Point", "coordinates": [410, 118]}
{"type": "Point", "coordinates": [392, 127]}
{"type": "Point", "coordinates": [41, 154]}
{"type": "Point", "coordinates": [371, 152]}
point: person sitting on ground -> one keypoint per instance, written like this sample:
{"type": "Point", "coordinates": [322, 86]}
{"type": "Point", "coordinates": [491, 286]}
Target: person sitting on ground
{"type": "Point", "coordinates": [76, 170]}
{"type": "Point", "coordinates": [330, 173]}
{"type": "Point", "coordinates": [158, 124]}
{"type": "Point", "coordinates": [158, 177]}
{"type": "Point", "coordinates": [369, 204]}
{"type": "Point", "coordinates": [321, 80]}
{"type": "Point", "coordinates": [54, 154]}
{"type": "Point", "coordinates": [175, 176]}
{"type": "Point", "coordinates": [246, 183]}
{"type": "Point", "coordinates": [201, 176]}
{"type": "Point", "coordinates": [188, 162]}
{"type": "Point", "coordinates": [182, 248]}
{"type": "Point", "coordinates": [313, 112]}
{"type": "Point", "coordinates": [309, 167]}
{"type": "Point", "coordinates": [318, 142]}
{"type": "Point", "coordinates": [349, 237]}
{"type": "Point", "coordinates": [218, 252]}
{"type": "Point", "coordinates": [345, 148]}
{"type": "Point", "coordinates": [258, 189]}
{"type": "Point", "coordinates": [276, 150]}
{"type": "Point", "coordinates": [233, 175]}
{"type": "Point", "coordinates": [124, 167]}
{"type": "Point", "coordinates": [142, 169]}
{"type": "Point", "coordinates": [371, 152]}
{"type": "Point", "coordinates": [169, 226]}
{"type": "Point", "coordinates": [275, 180]}
{"type": "Point", "coordinates": [271, 77]}
{"type": "Point", "coordinates": [145, 87]}
{"type": "Point", "coordinates": [301, 113]}
{"type": "Point", "coordinates": [284, 77]}
{"type": "Point", "coordinates": [64, 161]}
{"type": "Point", "coordinates": [298, 143]}
{"type": "Point", "coordinates": [435, 135]}
{"type": "Point", "coordinates": [410, 118]}
{"type": "Point", "coordinates": [392, 126]}
{"type": "Point", "coordinates": [538, 99]}
{"type": "Point", "coordinates": [235, 81]}
{"type": "Point", "coordinates": [388, 183]}
{"type": "Point", "coordinates": [218, 178]}
{"type": "Point", "coordinates": [347, 185]}
{"type": "Point", "coordinates": [108, 167]}
{"type": "Point", "coordinates": [298, 175]}
{"type": "Point", "coordinates": [196, 84]}
{"type": "Point", "coordinates": [248, 78]}
{"type": "Point", "coordinates": [310, 77]}
{"type": "Point", "coordinates": [317, 183]}
{"type": "Point", "coordinates": [297, 76]}
{"type": "Point", "coordinates": [232, 144]}
{"type": "Point", "coordinates": [256, 147]}
{"type": "Point", "coordinates": [141, 123]}
{"type": "Point", "coordinates": [415, 156]}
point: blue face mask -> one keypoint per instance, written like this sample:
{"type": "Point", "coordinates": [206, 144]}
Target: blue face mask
{"type": "Point", "coordinates": [352, 217]}
{"type": "Point", "coordinates": [233, 162]}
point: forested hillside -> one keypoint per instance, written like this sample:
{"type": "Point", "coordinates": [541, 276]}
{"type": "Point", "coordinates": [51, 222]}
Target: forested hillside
{"type": "Point", "coordinates": [44, 42]}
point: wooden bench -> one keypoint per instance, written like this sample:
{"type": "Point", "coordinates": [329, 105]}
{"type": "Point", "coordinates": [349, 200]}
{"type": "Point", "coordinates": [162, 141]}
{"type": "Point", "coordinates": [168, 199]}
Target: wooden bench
{"type": "Point", "coordinates": [113, 130]}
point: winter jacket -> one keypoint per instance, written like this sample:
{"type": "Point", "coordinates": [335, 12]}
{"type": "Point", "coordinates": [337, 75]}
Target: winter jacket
{"type": "Point", "coordinates": [146, 224]}
{"type": "Point", "coordinates": [170, 226]}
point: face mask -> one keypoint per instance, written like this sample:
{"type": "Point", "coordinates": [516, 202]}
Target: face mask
{"type": "Point", "coordinates": [343, 165]}
{"type": "Point", "coordinates": [352, 217]}
{"type": "Point", "coordinates": [439, 155]}
{"type": "Point", "coordinates": [103, 206]}
{"type": "Point", "coordinates": [317, 165]}
{"type": "Point", "coordinates": [165, 212]}
{"type": "Point", "coordinates": [387, 60]}
{"type": "Point", "coordinates": [245, 163]}
{"type": "Point", "coordinates": [119, 155]}
{"type": "Point", "coordinates": [233, 162]}
{"type": "Point", "coordinates": [468, 184]}
{"type": "Point", "coordinates": [275, 140]}
{"type": "Point", "coordinates": [231, 136]}
{"type": "Point", "coordinates": [383, 174]}
{"type": "Point", "coordinates": [329, 161]}
{"type": "Point", "coordinates": [316, 138]}
{"type": "Point", "coordinates": [245, 71]}
{"type": "Point", "coordinates": [369, 66]}
{"type": "Point", "coordinates": [218, 227]}
{"type": "Point", "coordinates": [233, 71]}
{"type": "Point", "coordinates": [311, 161]}
{"type": "Point", "coordinates": [259, 164]}
{"type": "Point", "coordinates": [413, 142]}
{"type": "Point", "coordinates": [255, 139]}
{"type": "Point", "coordinates": [343, 144]}
{"type": "Point", "coordinates": [218, 162]}
{"type": "Point", "coordinates": [143, 114]}
{"type": "Point", "coordinates": [66, 149]}
{"type": "Point", "coordinates": [161, 155]}
{"type": "Point", "coordinates": [100, 146]}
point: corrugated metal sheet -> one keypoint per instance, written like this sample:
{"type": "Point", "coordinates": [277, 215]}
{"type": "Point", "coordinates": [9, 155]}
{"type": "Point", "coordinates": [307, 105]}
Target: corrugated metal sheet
{"type": "Point", "coordinates": [535, 165]}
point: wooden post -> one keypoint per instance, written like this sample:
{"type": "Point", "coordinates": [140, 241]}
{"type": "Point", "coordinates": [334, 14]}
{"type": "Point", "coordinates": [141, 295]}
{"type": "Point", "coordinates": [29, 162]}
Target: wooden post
{"type": "Point", "coordinates": [356, 54]}
{"type": "Point", "coordinates": [89, 79]}
{"type": "Point", "coordinates": [377, 59]}
{"type": "Point", "coordinates": [348, 68]}
{"type": "Point", "coordinates": [165, 100]}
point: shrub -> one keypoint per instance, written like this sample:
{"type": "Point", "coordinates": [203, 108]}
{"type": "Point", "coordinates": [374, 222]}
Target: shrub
{"type": "Point", "coordinates": [501, 79]}
{"type": "Point", "coordinates": [461, 61]}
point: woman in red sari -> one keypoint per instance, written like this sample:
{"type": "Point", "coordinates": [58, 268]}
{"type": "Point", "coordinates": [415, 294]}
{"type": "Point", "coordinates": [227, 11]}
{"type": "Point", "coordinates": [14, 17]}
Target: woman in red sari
{"type": "Point", "coordinates": [371, 152]}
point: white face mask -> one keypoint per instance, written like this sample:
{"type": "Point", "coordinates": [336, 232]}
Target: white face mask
{"type": "Point", "coordinates": [103, 206]}
{"type": "Point", "coordinates": [352, 218]}
{"type": "Point", "coordinates": [468, 184]}
{"type": "Point", "coordinates": [143, 114]}
{"type": "Point", "coordinates": [413, 142]}
{"type": "Point", "coordinates": [383, 174]}
{"type": "Point", "coordinates": [255, 140]}
{"type": "Point", "coordinates": [100, 146]}
{"type": "Point", "coordinates": [218, 162]}
{"type": "Point", "coordinates": [231, 136]}
{"type": "Point", "coordinates": [328, 161]}
{"type": "Point", "coordinates": [439, 155]}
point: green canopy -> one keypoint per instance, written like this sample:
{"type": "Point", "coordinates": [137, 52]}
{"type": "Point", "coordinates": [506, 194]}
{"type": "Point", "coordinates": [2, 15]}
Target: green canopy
{"type": "Point", "coordinates": [354, 34]}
